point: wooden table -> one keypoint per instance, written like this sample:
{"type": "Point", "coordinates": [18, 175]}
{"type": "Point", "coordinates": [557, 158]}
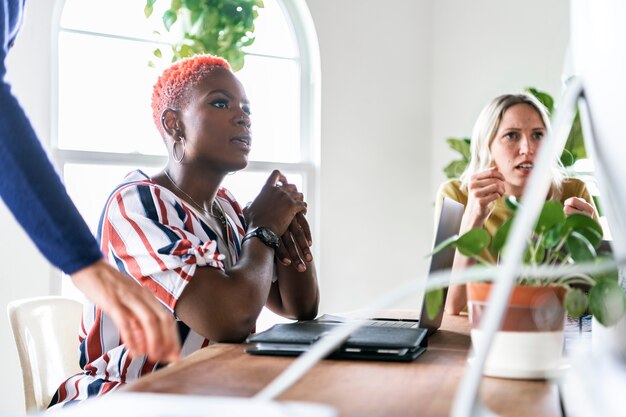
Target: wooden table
{"type": "Point", "coordinates": [425, 387]}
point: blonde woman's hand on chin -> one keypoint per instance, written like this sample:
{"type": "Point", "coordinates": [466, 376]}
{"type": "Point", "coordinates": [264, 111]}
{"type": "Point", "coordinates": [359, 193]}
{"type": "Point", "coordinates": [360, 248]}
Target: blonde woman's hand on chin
{"type": "Point", "coordinates": [576, 205]}
{"type": "Point", "coordinates": [484, 188]}
{"type": "Point", "coordinates": [145, 326]}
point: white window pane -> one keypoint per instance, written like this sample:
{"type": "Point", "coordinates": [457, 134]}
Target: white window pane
{"type": "Point", "coordinates": [273, 87]}
{"type": "Point", "coordinates": [246, 185]}
{"type": "Point", "coordinates": [105, 88]}
{"type": "Point", "coordinates": [89, 186]}
{"type": "Point", "coordinates": [273, 34]}
{"type": "Point", "coordinates": [115, 17]}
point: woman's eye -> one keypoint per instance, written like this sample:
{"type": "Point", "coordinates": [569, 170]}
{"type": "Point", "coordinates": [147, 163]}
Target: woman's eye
{"type": "Point", "coordinates": [538, 135]}
{"type": "Point", "coordinates": [220, 104]}
{"type": "Point", "coordinates": [511, 135]}
{"type": "Point", "coordinates": [246, 110]}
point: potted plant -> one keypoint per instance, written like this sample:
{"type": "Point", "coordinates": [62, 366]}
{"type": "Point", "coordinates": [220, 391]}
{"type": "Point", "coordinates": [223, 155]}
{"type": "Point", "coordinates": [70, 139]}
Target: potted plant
{"type": "Point", "coordinates": [530, 341]}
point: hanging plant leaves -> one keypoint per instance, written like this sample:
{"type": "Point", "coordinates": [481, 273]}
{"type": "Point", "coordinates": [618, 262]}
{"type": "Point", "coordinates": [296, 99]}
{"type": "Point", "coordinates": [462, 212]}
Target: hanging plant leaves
{"type": "Point", "coordinates": [218, 27]}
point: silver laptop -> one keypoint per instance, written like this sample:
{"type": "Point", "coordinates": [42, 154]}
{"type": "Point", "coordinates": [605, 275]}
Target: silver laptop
{"type": "Point", "coordinates": [448, 225]}
{"type": "Point", "coordinates": [378, 339]}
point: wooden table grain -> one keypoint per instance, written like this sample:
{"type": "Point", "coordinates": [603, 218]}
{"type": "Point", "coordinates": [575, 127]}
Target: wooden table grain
{"type": "Point", "coordinates": [425, 387]}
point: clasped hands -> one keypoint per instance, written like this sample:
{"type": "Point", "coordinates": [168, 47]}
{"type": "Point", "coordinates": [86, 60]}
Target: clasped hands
{"type": "Point", "coordinates": [296, 238]}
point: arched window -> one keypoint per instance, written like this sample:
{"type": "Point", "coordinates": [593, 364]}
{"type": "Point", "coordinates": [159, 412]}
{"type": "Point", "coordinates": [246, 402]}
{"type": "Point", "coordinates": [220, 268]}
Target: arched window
{"type": "Point", "coordinates": [102, 125]}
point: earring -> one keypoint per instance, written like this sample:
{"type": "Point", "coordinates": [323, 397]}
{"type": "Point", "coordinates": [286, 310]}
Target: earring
{"type": "Point", "coordinates": [174, 156]}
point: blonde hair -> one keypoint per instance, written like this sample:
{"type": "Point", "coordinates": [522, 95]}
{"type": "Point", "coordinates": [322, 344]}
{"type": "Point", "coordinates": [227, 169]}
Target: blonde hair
{"type": "Point", "coordinates": [485, 130]}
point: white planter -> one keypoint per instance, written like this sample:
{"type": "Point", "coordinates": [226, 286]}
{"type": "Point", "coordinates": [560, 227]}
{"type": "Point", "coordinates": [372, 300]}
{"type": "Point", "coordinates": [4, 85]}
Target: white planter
{"type": "Point", "coordinates": [611, 340]}
{"type": "Point", "coordinates": [529, 344]}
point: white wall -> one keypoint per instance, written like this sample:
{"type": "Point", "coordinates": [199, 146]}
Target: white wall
{"type": "Point", "coordinates": [399, 76]}
{"type": "Point", "coordinates": [484, 48]}
{"type": "Point", "coordinates": [375, 151]}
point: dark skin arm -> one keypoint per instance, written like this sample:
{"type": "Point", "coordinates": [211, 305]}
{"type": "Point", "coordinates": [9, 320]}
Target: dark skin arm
{"type": "Point", "coordinates": [224, 306]}
{"type": "Point", "coordinates": [295, 294]}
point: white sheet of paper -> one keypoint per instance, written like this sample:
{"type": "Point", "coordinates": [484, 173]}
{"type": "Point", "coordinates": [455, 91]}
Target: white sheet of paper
{"type": "Point", "coordinates": [170, 405]}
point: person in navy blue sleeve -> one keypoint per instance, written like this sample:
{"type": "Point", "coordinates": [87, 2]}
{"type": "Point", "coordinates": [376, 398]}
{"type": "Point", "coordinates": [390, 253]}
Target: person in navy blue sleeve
{"type": "Point", "coordinates": [33, 192]}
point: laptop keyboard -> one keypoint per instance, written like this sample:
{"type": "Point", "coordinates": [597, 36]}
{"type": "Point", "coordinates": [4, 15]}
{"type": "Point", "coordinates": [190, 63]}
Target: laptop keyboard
{"type": "Point", "coordinates": [393, 323]}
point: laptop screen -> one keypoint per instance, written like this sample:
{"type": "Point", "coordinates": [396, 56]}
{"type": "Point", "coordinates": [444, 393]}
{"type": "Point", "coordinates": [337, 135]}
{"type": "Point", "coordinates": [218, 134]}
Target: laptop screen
{"type": "Point", "coordinates": [448, 225]}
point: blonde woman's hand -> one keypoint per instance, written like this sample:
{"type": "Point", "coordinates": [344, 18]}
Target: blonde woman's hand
{"type": "Point", "coordinates": [576, 205]}
{"type": "Point", "coordinates": [484, 188]}
{"type": "Point", "coordinates": [145, 326]}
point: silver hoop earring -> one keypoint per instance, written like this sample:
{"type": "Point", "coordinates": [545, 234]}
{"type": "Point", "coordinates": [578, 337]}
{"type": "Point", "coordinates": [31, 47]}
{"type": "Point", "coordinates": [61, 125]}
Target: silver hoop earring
{"type": "Point", "coordinates": [174, 156]}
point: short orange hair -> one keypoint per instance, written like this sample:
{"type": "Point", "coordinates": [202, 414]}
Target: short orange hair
{"type": "Point", "coordinates": [172, 87]}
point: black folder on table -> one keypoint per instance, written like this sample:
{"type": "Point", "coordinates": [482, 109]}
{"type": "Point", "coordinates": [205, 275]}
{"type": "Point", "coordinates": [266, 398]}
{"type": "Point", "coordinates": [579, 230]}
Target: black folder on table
{"type": "Point", "coordinates": [378, 339]}
{"type": "Point", "coordinates": [372, 343]}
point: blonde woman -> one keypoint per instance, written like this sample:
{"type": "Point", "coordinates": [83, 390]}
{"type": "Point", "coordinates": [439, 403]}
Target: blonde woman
{"type": "Point", "coordinates": [506, 138]}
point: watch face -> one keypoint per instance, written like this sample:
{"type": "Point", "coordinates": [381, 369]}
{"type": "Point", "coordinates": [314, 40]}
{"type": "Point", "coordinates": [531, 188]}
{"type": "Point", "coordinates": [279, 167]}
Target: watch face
{"type": "Point", "coordinates": [269, 236]}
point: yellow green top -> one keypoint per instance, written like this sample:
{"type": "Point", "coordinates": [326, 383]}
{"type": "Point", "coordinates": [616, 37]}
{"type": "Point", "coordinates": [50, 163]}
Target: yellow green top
{"type": "Point", "coordinates": [572, 187]}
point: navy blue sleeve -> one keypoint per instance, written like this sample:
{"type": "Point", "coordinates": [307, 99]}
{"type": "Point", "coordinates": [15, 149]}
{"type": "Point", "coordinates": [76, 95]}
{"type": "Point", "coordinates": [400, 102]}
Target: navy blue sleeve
{"type": "Point", "coordinates": [29, 184]}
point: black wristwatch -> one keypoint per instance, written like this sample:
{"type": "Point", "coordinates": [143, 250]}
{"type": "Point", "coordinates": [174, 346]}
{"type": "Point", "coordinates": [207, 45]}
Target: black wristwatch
{"type": "Point", "coordinates": [266, 235]}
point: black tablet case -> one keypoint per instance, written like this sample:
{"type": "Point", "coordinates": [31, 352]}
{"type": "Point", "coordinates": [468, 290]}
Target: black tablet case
{"type": "Point", "coordinates": [370, 343]}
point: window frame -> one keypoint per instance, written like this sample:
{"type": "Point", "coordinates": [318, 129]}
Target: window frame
{"type": "Point", "coordinates": [308, 60]}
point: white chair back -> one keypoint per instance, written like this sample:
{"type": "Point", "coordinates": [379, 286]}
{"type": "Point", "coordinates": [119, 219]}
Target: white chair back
{"type": "Point", "coordinates": [46, 335]}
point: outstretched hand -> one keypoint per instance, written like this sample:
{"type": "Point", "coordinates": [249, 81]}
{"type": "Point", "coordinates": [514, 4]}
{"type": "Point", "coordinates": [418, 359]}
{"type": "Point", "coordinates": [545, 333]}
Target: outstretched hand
{"type": "Point", "coordinates": [145, 326]}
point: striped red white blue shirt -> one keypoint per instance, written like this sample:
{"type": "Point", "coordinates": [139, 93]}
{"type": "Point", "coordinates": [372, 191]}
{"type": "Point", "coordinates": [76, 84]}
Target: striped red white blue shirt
{"type": "Point", "coordinates": [159, 240]}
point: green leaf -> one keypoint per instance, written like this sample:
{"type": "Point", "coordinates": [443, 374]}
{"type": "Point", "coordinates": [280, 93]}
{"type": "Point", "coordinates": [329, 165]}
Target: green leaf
{"type": "Point", "coordinates": [607, 302]}
{"type": "Point", "coordinates": [445, 244]}
{"type": "Point", "coordinates": [586, 226]}
{"type": "Point", "coordinates": [169, 18]}
{"type": "Point", "coordinates": [434, 301]}
{"type": "Point", "coordinates": [567, 158]}
{"type": "Point", "coordinates": [579, 248]}
{"type": "Point", "coordinates": [461, 146]}
{"type": "Point", "coordinates": [596, 201]}
{"type": "Point", "coordinates": [553, 236]}
{"type": "Point", "coordinates": [575, 302]}
{"type": "Point", "coordinates": [511, 202]}
{"type": "Point", "coordinates": [455, 168]}
{"type": "Point", "coordinates": [501, 235]}
{"type": "Point", "coordinates": [473, 242]}
{"type": "Point", "coordinates": [611, 276]}
{"type": "Point", "coordinates": [157, 53]}
{"type": "Point", "coordinates": [575, 143]}
{"type": "Point", "coordinates": [147, 11]}
{"type": "Point", "coordinates": [551, 215]}
{"type": "Point", "coordinates": [545, 98]}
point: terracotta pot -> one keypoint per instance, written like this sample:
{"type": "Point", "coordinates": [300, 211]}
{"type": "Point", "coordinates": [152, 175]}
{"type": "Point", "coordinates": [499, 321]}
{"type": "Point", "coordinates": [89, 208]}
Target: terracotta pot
{"type": "Point", "coordinates": [530, 308]}
{"type": "Point", "coordinates": [529, 344]}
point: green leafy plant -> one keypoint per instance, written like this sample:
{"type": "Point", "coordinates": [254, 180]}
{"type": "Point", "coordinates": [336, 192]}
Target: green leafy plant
{"type": "Point", "coordinates": [557, 240]}
{"type": "Point", "coordinates": [573, 151]}
{"type": "Point", "coordinates": [218, 27]}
